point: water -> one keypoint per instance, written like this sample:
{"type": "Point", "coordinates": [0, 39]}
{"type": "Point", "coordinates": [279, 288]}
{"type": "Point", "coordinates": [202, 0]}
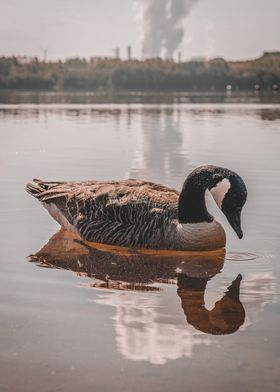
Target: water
{"type": "Point", "coordinates": [97, 319]}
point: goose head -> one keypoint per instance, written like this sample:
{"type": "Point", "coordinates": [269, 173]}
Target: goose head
{"type": "Point", "coordinates": [227, 188]}
{"type": "Point", "coordinates": [230, 194]}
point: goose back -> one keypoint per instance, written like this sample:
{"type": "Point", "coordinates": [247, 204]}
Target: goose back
{"type": "Point", "coordinates": [131, 213]}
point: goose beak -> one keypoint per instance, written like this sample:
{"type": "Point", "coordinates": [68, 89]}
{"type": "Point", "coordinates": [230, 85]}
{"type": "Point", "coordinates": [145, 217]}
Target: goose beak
{"type": "Point", "coordinates": [235, 222]}
{"type": "Point", "coordinates": [234, 289]}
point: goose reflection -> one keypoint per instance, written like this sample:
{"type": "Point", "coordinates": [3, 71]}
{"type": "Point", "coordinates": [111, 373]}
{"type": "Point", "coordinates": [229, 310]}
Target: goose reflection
{"type": "Point", "coordinates": [227, 315]}
{"type": "Point", "coordinates": [123, 269]}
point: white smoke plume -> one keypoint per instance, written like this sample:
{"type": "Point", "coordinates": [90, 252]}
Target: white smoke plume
{"type": "Point", "coordinates": [162, 25]}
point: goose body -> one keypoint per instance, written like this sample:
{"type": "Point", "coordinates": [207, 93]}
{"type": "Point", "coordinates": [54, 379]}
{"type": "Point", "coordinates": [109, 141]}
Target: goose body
{"type": "Point", "coordinates": [138, 214]}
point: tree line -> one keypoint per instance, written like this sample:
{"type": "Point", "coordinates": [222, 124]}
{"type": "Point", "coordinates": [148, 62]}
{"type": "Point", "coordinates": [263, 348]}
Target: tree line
{"type": "Point", "coordinates": [97, 74]}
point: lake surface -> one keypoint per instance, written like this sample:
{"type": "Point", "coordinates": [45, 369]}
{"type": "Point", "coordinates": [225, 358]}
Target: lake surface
{"type": "Point", "coordinates": [78, 318]}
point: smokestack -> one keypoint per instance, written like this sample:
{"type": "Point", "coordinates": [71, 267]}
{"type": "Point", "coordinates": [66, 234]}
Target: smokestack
{"type": "Point", "coordinates": [162, 25]}
{"type": "Point", "coordinates": [117, 53]}
{"type": "Point", "coordinates": [179, 57]}
{"type": "Point", "coordinates": [129, 51]}
{"type": "Point", "coordinates": [45, 55]}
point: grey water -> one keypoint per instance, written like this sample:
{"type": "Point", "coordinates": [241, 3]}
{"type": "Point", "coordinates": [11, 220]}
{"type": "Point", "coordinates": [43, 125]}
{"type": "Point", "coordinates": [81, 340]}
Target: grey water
{"type": "Point", "coordinates": [76, 318]}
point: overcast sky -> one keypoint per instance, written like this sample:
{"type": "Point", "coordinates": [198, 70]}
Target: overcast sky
{"type": "Point", "coordinates": [234, 29]}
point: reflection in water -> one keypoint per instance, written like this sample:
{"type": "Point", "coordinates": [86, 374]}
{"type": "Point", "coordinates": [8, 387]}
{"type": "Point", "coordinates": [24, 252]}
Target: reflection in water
{"type": "Point", "coordinates": [269, 114]}
{"type": "Point", "coordinates": [227, 315]}
{"type": "Point", "coordinates": [171, 111]}
{"type": "Point", "coordinates": [144, 320]}
{"type": "Point", "coordinates": [160, 140]}
{"type": "Point", "coordinates": [122, 268]}
{"type": "Point", "coordinates": [149, 324]}
{"type": "Point", "coordinates": [149, 328]}
{"type": "Point", "coordinates": [137, 97]}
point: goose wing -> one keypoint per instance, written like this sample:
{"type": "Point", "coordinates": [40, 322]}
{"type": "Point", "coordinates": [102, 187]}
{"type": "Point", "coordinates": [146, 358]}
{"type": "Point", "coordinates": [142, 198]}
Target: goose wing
{"type": "Point", "coordinates": [130, 213]}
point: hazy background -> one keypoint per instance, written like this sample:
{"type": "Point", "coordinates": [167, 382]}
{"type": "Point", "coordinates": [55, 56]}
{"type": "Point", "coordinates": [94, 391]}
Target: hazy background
{"type": "Point", "coordinates": [232, 29]}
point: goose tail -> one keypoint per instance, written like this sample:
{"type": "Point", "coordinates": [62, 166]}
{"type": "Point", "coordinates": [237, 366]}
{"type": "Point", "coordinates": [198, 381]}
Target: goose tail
{"type": "Point", "coordinates": [43, 189]}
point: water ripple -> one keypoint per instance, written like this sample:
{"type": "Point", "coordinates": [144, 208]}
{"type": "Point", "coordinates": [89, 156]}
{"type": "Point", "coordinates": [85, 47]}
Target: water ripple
{"type": "Point", "coordinates": [248, 256]}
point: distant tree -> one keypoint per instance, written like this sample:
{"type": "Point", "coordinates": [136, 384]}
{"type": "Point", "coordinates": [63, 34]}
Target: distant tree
{"type": "Point", "coordinates": [151, 74]}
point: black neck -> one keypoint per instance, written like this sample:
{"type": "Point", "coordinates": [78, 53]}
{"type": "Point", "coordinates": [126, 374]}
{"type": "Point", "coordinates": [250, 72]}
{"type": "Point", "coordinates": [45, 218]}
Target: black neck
{"type": "Point", "coordinates": [192, 205]}
{"type": "Point", "coordinates": [188, 283]}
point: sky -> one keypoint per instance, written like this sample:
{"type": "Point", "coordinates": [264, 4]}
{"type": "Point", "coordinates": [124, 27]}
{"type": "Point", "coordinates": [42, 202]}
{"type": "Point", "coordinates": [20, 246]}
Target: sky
{"type": "Point", "coordinates": [234, 29]}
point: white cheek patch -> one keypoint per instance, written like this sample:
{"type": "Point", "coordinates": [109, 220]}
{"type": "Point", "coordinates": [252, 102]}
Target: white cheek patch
{"type": "Point", "coordinates": [220, 190]}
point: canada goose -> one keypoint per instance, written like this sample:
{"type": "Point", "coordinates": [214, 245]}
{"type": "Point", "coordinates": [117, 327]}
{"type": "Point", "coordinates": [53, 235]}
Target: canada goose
{"type": "Point", "coordinates": [141, 214]}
